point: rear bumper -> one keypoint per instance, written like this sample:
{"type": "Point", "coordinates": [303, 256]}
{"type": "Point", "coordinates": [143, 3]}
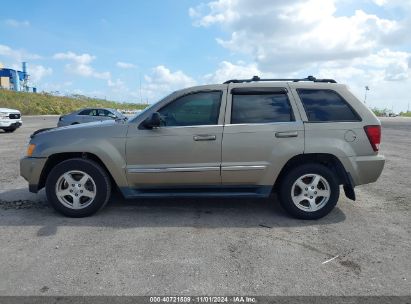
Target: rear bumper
{"type": "Point", "coordinates": [30, 169]}
{"type": "Point", "coordinates": [365, 169]}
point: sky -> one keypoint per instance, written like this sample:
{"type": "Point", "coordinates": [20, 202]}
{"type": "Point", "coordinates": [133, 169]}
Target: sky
{"type": "Point", "coordinates": [133, 51]}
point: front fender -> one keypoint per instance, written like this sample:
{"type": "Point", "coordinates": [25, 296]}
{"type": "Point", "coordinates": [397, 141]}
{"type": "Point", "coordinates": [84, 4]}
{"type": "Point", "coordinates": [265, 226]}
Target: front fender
{"type": "Point", "coordinates": [105, 142]}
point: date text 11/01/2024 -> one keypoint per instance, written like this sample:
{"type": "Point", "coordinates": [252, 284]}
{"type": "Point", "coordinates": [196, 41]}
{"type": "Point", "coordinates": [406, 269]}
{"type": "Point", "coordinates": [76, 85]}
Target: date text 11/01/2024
{"type": "Point", "coordinates": [202, 299]}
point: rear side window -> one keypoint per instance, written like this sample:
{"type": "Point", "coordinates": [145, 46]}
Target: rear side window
{"type": "Point", "coordinates": [261, 108]}
{"type": "Point", "coordinates": [326, 105]}
{"type": "Point", "coordinates": [85, 112]}
{"type": "Point", "coordinates": [93, 112]}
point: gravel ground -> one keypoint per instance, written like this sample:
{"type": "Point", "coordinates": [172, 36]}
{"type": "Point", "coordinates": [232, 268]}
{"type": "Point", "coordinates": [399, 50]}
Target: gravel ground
{"type": "Point", "coordinates": [207, 246]}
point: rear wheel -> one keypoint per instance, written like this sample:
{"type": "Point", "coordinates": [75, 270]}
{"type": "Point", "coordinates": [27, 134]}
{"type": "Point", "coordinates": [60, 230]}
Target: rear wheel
{"type": "Point", "coordinates": [78, 187]}
{"type": "Point", "coordinates": [309, 191]}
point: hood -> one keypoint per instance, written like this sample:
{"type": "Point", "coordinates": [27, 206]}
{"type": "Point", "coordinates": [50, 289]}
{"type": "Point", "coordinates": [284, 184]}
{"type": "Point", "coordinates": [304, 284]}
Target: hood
{"type": "Point", "coordinates": [94, 124]}
{"type": "Point", "coordinates": [7, 110]}
{"type": "Point", "coordinates": [89, 126]}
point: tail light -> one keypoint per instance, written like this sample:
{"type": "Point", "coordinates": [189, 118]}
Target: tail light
{"type": "Point", "coordinates": [374, 136]}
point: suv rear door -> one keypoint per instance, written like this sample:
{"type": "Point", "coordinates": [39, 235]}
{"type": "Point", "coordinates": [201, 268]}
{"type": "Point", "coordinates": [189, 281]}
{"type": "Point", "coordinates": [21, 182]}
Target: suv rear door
{"type": "Point", "coordinates": [186, 150]}
{"type": "Point", "coordinates": [262, 131]}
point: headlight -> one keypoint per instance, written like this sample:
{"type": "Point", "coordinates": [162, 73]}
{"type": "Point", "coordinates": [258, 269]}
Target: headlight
{"type": "Point", "coordinates": [30, 149]}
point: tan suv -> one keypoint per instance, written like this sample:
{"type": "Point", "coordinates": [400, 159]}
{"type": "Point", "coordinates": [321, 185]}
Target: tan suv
{"type": "Point", "coordinates": [302, 138]}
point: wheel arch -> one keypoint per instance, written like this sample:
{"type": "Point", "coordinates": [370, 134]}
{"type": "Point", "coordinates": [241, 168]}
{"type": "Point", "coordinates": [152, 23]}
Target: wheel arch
{"type": "Point", "coordinates": [57, 158]}
{"type": "Point", "coordinates": [329, 160]}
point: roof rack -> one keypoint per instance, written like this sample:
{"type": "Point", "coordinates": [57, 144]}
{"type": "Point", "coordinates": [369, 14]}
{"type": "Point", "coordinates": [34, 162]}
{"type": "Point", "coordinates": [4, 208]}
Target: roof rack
{"type": "Point", "coordinates": [256, 78]}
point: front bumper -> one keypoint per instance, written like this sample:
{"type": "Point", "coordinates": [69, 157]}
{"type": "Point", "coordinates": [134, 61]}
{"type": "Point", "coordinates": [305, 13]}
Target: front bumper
{"type": "Point", "coordinates": [10, 123]}
{"type": "Point", "coordinates": [30, 169]}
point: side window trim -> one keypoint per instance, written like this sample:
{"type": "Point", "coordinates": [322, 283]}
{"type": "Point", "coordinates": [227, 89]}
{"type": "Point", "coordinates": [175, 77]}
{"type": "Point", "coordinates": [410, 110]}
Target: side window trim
{"type": "Point", "coordinates": [359, 118]}
{"type": "Point", "coordinates": [259, 91]}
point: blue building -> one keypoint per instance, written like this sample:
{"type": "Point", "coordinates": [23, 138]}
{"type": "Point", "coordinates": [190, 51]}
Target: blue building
{"type": "Point", "coordinates": [11, 79]}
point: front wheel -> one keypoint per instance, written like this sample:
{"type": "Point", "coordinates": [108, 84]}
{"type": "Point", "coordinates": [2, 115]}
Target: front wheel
{"type": "Point", "coordinates": [78, 187]}
{"type": "Point", "coordinates": [309, 191]}
{"type": "Point", "coordinates": [10, 130]}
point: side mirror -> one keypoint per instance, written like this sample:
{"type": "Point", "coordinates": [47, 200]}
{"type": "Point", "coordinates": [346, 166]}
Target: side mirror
{"type": "Point", "coordinates": [154, 121]}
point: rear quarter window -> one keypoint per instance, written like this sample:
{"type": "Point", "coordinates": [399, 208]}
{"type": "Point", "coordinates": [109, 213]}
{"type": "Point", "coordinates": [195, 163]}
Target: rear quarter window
{"type": "Point", "coordinates": [326, 105]}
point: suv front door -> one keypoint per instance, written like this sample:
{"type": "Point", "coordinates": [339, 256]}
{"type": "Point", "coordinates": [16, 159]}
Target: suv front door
{"type": "Point", "coordinates": [185, 150]}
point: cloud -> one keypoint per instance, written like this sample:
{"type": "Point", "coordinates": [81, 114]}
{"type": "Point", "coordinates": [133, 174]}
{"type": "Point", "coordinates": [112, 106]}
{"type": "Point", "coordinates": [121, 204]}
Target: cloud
{"type": "Point", "coordinates": [81, 65]}
{"type": "Point", "coordinates": [17, 55]}
{"type": "Point", "coordinates": [227, 70]}
{"type": "Point", "coordinates": [117, 86]}
{"type": "Point", "coordinates": [38, 72]}
{"type": "Point", "coordinates": [125, 65]}
{"type": "Point", "coordinates": [117, 83]}
{"type": "Point", "coordinates": [17, 23]}
{"type": "Point", "coordinates": [297, 38]}
{"type": "Point", "coordinates": [286, 35]}
{"type": "Point", "coordinates": [162, 81]}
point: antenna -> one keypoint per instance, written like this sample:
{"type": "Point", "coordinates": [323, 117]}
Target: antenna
{"type": "Point", "coordinates": [367, 88]}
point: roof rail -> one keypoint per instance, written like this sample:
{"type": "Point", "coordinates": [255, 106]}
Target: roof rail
{"type": "Point", "coordinates": [256, 79]}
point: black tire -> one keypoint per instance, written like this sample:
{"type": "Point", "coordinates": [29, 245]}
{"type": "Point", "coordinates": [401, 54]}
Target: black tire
{"type": "Point", "coordinates": [293, 175]}
{"type": "Point", "coordinates": [98, 175]}
{"type": "Point", "coordinates": [75, 123]}
{"type": "Point", "coordinates": [9, 130]}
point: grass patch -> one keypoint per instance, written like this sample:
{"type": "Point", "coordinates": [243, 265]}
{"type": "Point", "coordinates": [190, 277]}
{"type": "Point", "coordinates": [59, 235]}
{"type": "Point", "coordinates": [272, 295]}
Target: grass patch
{"type": "Point", "coordinates": [44, 103]}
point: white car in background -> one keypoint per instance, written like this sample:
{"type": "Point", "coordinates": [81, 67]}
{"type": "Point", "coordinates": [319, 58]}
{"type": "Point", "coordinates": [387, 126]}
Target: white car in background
{"type": "Point", "coordinates": [10, 119]}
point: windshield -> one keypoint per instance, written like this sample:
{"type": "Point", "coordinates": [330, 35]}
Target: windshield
{"type": "Point", "coordinates": [117, 113]}
{"type": "Point", "coordinates": [148, 108]}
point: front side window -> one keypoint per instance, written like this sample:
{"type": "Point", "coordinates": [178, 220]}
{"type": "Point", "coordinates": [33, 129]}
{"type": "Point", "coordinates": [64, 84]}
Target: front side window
{"type": "Point", "coordinates": [326, 105]}
{"type": "Point", "coordinates": [106, 113]}
{"type": "Point", "coordinates": [200, 108]}
{"type": "Point", "coordinates": [102, 112]}
{"type": "Point", "coordinates": [261, 108]}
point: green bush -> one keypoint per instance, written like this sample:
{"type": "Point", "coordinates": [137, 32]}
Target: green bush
{"type": "Point", "coordinates": [379, 112]}
{"type": "Point", "coordinates": [45, 103]}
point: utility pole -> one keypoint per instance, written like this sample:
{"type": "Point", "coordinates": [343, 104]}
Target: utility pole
{"type": "Point", "coordinates": [367, 88]}
{"type": "Point", "coordinates": [141, 96]}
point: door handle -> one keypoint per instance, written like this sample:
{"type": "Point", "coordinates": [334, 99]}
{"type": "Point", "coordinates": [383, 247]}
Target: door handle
{"type": "Point", "coordinates": [204, 137]}
{"type": "Point", "coordinates": [286, 134]}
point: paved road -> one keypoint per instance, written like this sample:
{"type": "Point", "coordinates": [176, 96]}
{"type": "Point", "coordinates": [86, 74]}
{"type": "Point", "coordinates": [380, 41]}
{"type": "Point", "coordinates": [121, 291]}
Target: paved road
{"type": "Point", "coordinates": [208, 246]}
